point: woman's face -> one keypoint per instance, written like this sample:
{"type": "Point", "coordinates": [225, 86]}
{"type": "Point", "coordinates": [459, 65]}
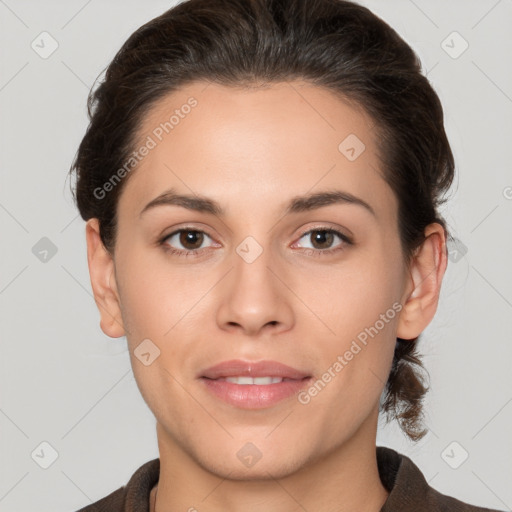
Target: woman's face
{"type": "Point", "coordinates": [261, 280]}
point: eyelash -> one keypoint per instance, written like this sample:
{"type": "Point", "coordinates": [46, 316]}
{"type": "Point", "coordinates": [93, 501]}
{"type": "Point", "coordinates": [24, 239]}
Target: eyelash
{"type": "Point", "coordinates": [198, 252]}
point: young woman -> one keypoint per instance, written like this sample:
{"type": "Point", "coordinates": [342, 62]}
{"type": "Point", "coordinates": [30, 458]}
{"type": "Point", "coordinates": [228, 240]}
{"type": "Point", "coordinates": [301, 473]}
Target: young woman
{"type": "Point", "coordinates": [261, 182]}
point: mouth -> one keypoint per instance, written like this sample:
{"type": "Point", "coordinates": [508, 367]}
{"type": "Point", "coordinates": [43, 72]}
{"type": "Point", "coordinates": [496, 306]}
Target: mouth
{"type": "Point", "coordinates": [260, 381]}
{"type": "Point", "coordinates": [253, 385]}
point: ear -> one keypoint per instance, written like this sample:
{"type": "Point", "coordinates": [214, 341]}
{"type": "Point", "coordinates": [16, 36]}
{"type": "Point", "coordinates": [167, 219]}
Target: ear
{"type": "Point", "coordinates": [423, 286]}
{"type": "Point", "coordinates": [103, 282]}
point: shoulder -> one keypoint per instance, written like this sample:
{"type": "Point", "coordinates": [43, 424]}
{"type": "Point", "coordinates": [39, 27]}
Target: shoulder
{"type": "Point", "coordinates": [114, 502]}
{"type": "Point", "coordinates": [410, 491]}
{"type": "Point", "coordinates": [134, 495]}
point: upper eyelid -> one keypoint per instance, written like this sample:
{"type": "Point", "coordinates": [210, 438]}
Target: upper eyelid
{"type": "Point", "coordinates": [186, 228]}
{"type": "Point", "coordinates": [345, 238]}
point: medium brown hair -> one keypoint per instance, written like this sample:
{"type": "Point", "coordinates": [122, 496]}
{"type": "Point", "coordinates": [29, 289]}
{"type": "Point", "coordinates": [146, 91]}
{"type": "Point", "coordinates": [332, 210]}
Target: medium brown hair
{"type": "Point", "coordinates": [335, 44]}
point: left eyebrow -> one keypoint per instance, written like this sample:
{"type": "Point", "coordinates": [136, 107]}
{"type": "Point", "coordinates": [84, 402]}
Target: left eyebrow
{"type": "Point", "coordinates": [320, 199]}
{"type": "Point", "coordinates": [296, 205]}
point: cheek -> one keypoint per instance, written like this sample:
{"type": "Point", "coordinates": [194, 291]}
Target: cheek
{"type": "Point", "coordinates": [352, 295]}
{"type": "Point", "coordinates": [154, 296]}
{"type": "Point", "coordinates": [356, 359]}
{"type": "Point", "coordinates": [359, 304]}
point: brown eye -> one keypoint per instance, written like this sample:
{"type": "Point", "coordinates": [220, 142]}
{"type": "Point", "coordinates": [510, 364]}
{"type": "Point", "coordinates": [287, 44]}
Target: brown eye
{"type": "Point", "coordinates": [322, 240]}
{"type": "Point", "coordinates": [194, 238]}
{"type": "Point", "coordinates": [185, 240]}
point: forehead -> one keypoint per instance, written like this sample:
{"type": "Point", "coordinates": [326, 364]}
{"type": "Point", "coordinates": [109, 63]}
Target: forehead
{"type": "Point", "coordinates": [259, 143]}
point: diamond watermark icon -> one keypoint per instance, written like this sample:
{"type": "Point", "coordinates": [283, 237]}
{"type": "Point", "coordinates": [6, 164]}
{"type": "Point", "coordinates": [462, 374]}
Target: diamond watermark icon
{"type": "Point", "coordinates": [44, 455]}
{"type": "Point", "coordinates": [249, 250]}
{"type": "Point", "coordinates": [456, 250]}
{"type": "Point", "coordinates": [454, 45]}
{"type": "Point", "coordinates": [44, 250]}
{"type": "Point", "coordinates": [249, 455]}
{"type": "Point", "coordinates": [44, 45]}
{"type": "Point", "coordinates": [146, 352]}
{"type": "Point", "coordinates": [352, 147]}
{"type": "Point", "coordinates": [454, 455]}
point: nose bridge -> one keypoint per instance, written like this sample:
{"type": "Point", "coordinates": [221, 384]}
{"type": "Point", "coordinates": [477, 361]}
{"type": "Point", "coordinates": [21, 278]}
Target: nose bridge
{"type": "Point", "coordinates": [253, 296]}
{"type": "Point", "coordinates": [251, 261]}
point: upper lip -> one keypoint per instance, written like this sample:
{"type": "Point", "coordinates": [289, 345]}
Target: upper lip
{"type": "Point", "coordinates": [237, 367]}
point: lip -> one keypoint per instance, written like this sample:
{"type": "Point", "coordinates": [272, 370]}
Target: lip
{"type": "Point", "coordinates": [253, 396]}
{"type": "Point", "coordinates": [252, 369]}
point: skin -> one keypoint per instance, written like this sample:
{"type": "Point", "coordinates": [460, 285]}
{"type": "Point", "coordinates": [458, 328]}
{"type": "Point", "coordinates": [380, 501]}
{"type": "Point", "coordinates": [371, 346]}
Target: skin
{"type": "Point", "coordinates": [252, 151]}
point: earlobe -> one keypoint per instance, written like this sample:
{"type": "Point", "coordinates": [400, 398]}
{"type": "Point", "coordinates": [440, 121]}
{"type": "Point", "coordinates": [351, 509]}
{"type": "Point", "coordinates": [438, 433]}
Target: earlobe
{"type": "Point", "coordinates": [103, 282]}
{"type": "Point", "coordinates": [423, 288]}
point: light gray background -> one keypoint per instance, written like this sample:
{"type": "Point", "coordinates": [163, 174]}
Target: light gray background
{"type": "Point", "coordinates": [64, 382]}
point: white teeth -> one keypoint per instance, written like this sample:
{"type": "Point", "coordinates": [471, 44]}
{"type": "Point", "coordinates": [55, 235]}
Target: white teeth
{"type": "Point", "coordinates": [261, 381]}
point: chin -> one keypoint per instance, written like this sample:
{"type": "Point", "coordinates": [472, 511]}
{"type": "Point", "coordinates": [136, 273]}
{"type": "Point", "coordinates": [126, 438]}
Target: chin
{"type": "Point", "coordinates": [249, 457]}
{"type": "Point", "coordinates": [273, 467]}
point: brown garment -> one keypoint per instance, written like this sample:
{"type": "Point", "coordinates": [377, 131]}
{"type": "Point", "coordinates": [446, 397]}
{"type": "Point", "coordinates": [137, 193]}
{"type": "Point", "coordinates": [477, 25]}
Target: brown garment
{"type": "Point", "coordinates": [409, 491]}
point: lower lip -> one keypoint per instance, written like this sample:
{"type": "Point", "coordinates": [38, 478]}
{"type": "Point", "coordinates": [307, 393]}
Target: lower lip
{"type": "Point", "coordinates": [254, 396]}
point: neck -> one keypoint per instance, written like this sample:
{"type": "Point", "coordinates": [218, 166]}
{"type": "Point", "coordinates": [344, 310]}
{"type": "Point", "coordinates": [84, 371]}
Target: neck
{"type": "Point", "coordinates": [346, 478]}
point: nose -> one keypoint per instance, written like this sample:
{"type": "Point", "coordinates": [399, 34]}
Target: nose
{"type": "Point", "coordinates": [254, 297]}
